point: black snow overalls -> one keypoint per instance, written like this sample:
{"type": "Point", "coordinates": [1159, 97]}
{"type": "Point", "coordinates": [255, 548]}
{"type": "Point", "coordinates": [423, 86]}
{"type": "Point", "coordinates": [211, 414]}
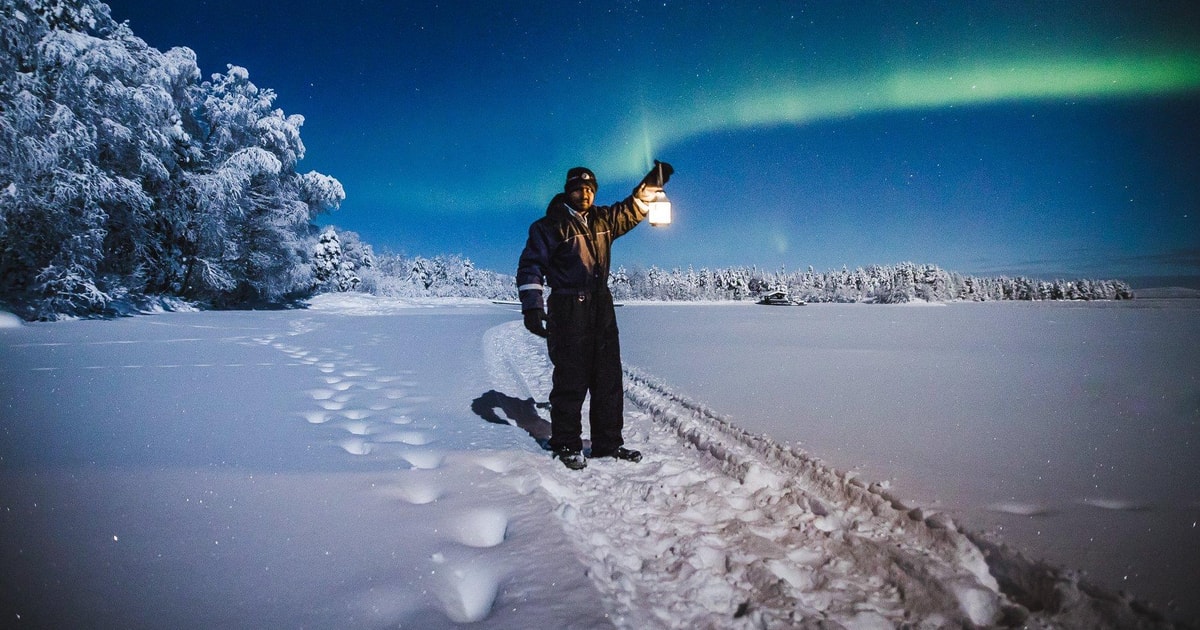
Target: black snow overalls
{"type": "Point", "coordinates": [571, 255]}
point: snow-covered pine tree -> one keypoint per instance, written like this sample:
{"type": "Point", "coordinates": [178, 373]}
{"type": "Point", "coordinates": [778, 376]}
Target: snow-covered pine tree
{"type": "Point", "coordinates": [332, 269]}
{"type": "Point", "coordinates": [618, 284]}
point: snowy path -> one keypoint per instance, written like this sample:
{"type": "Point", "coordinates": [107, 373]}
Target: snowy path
{"type": "Point", "coordinates": [720, 529]}
{"type": "Point", "coordinates": [733, 537]}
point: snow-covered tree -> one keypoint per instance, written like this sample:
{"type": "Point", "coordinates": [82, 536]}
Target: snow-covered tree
{"type": "Point", "coordinates": [122, 174]}
{"type": "Point", "coordinates": [334, 271]}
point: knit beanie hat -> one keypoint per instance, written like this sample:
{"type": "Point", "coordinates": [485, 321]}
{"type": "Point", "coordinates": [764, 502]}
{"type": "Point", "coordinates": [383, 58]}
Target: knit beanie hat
{"type": "Point", "coordinates": [579, 177]}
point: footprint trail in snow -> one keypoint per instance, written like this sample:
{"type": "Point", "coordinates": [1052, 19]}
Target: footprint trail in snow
{"type": "Point", "coordinates": [369, 413]}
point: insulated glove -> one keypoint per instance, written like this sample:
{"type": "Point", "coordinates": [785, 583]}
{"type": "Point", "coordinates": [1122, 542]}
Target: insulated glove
{"type": "Point", "coordinates": [651, 180]}
{"type": "Point", "coordinates": [533, 321]}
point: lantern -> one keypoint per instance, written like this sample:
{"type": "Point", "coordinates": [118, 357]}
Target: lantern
{"type": "Point", "coordinates": [660, 209]}
{"type": "Point", "coordinates": [660, 206]}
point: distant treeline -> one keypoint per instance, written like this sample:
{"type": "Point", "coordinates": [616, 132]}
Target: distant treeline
{"type": "Point", "coordinates": [455, 276]}
{"type": "Point", "coordinates": [395, 275]}
{"type": "Point", "coordinates": [881, 284]}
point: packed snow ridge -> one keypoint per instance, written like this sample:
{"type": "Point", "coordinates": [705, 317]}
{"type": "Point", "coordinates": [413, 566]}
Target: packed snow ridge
{"type": "Point", "coordinates": [754, 534]}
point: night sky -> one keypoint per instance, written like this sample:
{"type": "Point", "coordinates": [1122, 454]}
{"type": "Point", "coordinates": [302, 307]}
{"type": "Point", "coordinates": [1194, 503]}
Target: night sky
{"type": "Point", "coordinates": [1049, 139]}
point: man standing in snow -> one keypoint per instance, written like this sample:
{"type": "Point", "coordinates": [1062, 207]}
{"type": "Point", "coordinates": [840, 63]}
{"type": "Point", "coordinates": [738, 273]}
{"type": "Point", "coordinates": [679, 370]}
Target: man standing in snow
{"type": "Point", "coordinates": [569, 250]}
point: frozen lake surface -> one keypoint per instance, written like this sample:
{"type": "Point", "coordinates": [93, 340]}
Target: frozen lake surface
{"type": "Point", "coordinates": [1071, 430]}
{"type": "Point", "coordinates": [374, 463]}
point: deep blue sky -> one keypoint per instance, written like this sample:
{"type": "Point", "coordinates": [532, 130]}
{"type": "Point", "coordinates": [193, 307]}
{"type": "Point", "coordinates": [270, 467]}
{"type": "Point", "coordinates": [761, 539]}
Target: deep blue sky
{"type": "Point", "coordinates": [1051, 139]}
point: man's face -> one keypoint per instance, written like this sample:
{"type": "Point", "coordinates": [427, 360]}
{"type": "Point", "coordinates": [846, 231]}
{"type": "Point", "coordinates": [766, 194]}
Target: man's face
{"type": "Point", "coordinates": [581, 198]}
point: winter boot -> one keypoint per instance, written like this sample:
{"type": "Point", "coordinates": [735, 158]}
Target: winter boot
{"type": "Point", "coordinates": [572, 459]}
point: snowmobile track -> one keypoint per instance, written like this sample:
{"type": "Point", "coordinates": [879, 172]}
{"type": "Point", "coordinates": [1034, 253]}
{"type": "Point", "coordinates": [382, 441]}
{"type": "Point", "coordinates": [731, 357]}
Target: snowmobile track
{"type": "Point", "coordinates": [841, 555]}
{"type": "Point", "coordinates": [719, 528]}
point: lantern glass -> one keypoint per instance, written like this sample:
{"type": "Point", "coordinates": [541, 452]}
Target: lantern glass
{"type": "Point", "coordinates": [660, 209]}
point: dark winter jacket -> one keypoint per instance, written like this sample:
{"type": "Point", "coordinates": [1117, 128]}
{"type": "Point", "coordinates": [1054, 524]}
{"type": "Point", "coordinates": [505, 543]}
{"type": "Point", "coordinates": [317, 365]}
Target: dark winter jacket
{"type": "Point", "coordinates": [570, 254]}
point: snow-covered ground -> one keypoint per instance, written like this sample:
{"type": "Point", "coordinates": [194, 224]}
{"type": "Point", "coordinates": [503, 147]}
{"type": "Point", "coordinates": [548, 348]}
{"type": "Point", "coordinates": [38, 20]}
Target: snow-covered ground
{"type": "Point", "coordinates": [372, 463]}
{"type": "Point", "coordinates": [1070, 430]}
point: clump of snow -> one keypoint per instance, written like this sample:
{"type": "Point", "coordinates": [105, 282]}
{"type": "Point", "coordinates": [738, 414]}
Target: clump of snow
{"type": "Point", "coordinates": [467, 593]}
{"type": "Point", "coordinates": [8, 320]}
{"type": "Point", "coordinates": [1114, 504]}
{"type": "Point", "coordinates": [1020, 509]}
